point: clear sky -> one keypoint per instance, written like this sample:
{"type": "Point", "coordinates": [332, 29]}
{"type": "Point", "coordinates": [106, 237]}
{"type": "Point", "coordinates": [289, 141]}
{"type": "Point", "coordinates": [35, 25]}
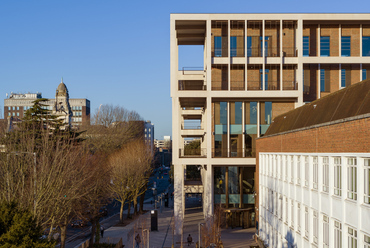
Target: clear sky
{"type": "Point", "coordinates": [113, 52]}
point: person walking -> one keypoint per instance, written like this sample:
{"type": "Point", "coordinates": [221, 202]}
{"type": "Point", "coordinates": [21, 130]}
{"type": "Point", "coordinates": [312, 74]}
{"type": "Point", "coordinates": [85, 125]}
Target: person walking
{"type": "Point", "coordinates": [190, 240]}
{"type": "Point", "coordinates": [138, 240]}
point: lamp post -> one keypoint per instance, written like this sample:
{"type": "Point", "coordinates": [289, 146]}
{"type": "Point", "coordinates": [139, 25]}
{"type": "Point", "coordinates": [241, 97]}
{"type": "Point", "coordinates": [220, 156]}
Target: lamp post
{"type": "Point", "coordinates": [199, 241]}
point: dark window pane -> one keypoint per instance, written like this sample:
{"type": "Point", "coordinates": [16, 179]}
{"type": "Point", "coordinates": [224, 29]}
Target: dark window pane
{"type": "Point", "coordinates": [233, 46]}
{"type": "Point", "coordinates": [366, 46]}
{"type": "Point", "coordinates": [343, 78]}
{"type": "Point", "coordinates": [325, 46]}
{"type": "Point", "coordinates": [346, 46]}
{"type": "Point", "coordinates": [218, 46]}
{"type": "Point", "coordinates": [306, 45]}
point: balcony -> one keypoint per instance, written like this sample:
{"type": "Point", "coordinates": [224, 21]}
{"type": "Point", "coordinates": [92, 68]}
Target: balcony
{"type": "Point", "coordinates": [233, 153]}
{"type": "Point", "coordinates": [192, 85]}
{"type": "Point", "coordinates": [290, 85]}
{"type": "Point", "coordinates": [237, 85]}
{"type": "Point", "coordinates": [192, 153]}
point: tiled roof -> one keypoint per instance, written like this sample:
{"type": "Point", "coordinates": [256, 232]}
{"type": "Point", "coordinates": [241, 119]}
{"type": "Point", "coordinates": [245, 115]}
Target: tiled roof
{"type": "Point", "coordinates": [348, 102]}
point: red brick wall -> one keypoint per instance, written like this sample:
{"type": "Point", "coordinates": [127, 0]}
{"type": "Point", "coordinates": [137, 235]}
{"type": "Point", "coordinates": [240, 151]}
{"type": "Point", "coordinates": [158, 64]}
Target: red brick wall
{"type": "Point", "coordinates": [354, 32]}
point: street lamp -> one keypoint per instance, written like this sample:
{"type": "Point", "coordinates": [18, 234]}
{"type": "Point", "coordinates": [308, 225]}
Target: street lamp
{"type": "Point", "coordinates": [199, 241]}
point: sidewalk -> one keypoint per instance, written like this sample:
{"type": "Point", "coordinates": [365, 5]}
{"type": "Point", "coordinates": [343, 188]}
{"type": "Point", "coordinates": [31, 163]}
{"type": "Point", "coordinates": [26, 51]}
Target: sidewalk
{"type": "Point", "coordinates": [163, 238]}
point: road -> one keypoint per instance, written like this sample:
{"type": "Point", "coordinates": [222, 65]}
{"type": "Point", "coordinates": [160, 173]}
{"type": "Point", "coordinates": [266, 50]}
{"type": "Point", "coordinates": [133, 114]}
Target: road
{"type": "Point", "coordinates": [77, 235]}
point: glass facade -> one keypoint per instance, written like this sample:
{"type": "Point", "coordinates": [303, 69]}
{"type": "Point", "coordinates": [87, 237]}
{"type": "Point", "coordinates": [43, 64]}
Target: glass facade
{"type": "Point", "coordinates": [366, 46]}
{"type": "Point", "coordinates": [236, 129]}
{"type": "Point", "coordinates": [220, 148]}
{"type": "Point", "coordinates": [325, 46]}
{"type": "Point", "coordinates": [306, 46]}
{"type": "Point", "coordinates": [234, 186]}
{"type": "Point", "coordinates": [266, 115]}
{"type": "Point", "coordinates": [250, 128]}
{"type": "Point", "coordinates": [346, 46]}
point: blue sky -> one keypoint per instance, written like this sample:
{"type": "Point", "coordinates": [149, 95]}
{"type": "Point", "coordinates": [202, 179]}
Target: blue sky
{"type": "Point", "coordinates": [112, 52]}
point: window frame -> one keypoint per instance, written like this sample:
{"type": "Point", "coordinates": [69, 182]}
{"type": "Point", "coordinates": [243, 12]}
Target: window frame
{"type": "Point", "coordinates": [352, 238]}
{"type": "Point", "coordinates": [345, 46]}
{"type": "Point", "coordinates": [338, 176]}
{"type": "Point", "coordinates": [324, 46]}
{"type": "Point", "coordinates": [306, 46]}
{"type": "Point", "coordinates": [325, 173]}
{"type": "Point", "coordinates": [352, 178]}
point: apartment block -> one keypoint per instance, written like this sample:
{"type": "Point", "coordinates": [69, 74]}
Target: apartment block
{"type": "Point", "coordinates": [255, 67]}
{"type": "Point", "coordinates": [314, 174]}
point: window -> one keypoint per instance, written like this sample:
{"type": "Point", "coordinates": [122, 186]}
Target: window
{"type": "Point", "coordinates": [218, 46]}
{"type": "Point", "coordinates": [306, 46]}
{"type": "Point", "coordinates": [292, 214]}
{"type": "Point", "coordinates": [352, 238]}
{"type": "Point", "coordinates": [286, 209]}
{"type": "Point", "coordinates": [249, 46]}
{"type": "Point", "coordinates": [364, 74]}
{"type": "Point", "coordinates": [13, 108]}
{"type": "Point", "coordinates": [298, 217]}
{"type": "Point", "coordinates": [286, 167]}
{"type": "Point", "coordinates": [325, 174]}
{"type": "Point", "coordinates": [325, 231]}
{"type": "Point", "coordinates": [315, 173]}
{"type": "Point", "coordinates": [292, 169]}
{"type": "Point", "coordinates": [343, 78]}
{"type": "Point", "coordinates": [13, 113]}
{"type": "Point", "coordinates": [324, 80]}
{"type": "Point", "coordinates": [337, 176]}
{"type": "Point", "coordinates": [367, 181]}
{"type": "Point", "coordinates": [325, 46]}
{"type": "Point", "coordinates": [306, 171]}
{"type": "Point", "coordinates": [280, 207]}
{"type": "Point", "coordinates": [17, 108]}
{"type": "Point", "coordinates": [346, 46]}
{"type": "Point", "coordinates": [315, 227]}
{"type": "Point", "coordinates": [337, 234]}
{"type": "Point", "coordinates": [9, 108]}
{"type": "Point", "coordinates": [9, 114]}
{"type": "Point", "coordinates": [352, 178]}
{"type": "Point", "coordinates": [366, 241]}
{"type": "Point", "coordinates": [298, 170]}
{"type": "Point", "coordinates": [306, 223]}
{"type": "Point", "coordinates": [233, 46]}
{"type": "Point", "coordinates": [365, 45]}
{"type": "Point", "coordinates": [17, 113]}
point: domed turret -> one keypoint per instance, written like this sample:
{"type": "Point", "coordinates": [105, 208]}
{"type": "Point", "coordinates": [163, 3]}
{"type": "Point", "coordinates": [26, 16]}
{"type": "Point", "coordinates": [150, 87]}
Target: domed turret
{"type": "Point", "coordinates": [62, 89]}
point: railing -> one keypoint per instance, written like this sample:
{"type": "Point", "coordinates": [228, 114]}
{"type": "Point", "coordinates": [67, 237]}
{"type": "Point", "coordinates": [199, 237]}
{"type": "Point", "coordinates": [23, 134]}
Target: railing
{"type": "Point", "coordinates": [290, 85]}
{"type": "Point", "coordinates": [290, 52]}
{"type": "Point", "coordinates": [192, 70]}
{"type": "Point", "coordinates": [237, 52]}
{"type": "Point", "coordinates": [188, 152]}
{"type": "Point", "coordinates": [233, 153]}
{"type": "Point", "coordinates": [219, 85]}
{"type": "Point", "coordinates": [189, 85]}
{"type": "Point", "coordinates": [191, 126]}
{"type": "Point", "coordinates": [254, 85]}
{"type": "Point", "coordinates": [237, 85]}
{"type": "Point", "coordinates": [273, 85]}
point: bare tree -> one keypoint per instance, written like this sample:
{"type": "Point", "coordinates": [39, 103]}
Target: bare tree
{"type": "Point", "coordinates": [129, 172]}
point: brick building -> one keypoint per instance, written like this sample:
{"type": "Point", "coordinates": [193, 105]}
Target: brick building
{"type": "Point", "coordinates": [75, 111]}
{"type": "Point", "coordinates": [255, 68]}
{"type": "Point", "coordinates": [314, 173]}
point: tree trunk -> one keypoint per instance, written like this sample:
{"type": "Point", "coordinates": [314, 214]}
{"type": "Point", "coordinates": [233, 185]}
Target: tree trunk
{"type": "Point", "coordinates": [63, 231]}
{"type": "Point", "coordinates": [135, 206]}
{"type": "Point", "coordinates": [141, 208]}
{"type": "Point", "coordinates": [128, 210]}
{"type": "Point", "coordinates": [93, 227]}
{"type": "Point", "coordinates": [121, 213]}
{"type": "Point", "coordinates": [50, 231]}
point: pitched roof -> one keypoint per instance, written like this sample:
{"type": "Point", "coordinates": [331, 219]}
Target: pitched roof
{"type": "Point", "coordinates": [348, 102]}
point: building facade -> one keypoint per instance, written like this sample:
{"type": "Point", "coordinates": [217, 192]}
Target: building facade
{"type": "Point", "coordinates": [314, 174]}
{"type": "Point", "coordinates": [149, 134]}
{"type": "Point", "coordinates": [75, 112]}
{"type": "Point", "coordinates": [255, 67]}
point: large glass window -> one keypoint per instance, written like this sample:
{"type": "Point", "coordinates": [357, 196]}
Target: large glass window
{"type": "Point", "coordinates": [249, 46]}
{"type": "Point", "coordinates": [325, 231]}
{"type": "Point", "coordinates": [325, 46]}
{"type": "Point", "coordinates": [220, 129]}
{"type": "Point", "coordinates": [233, 46]}
{"type": "Point", "coordinates": [366, 46]}
{"type": "Point", "coordinates": [266, 115]}
{"type": "Point", "coordinates": [346, 46]}
{"type": "Point", "coordinates": [315, 175]}
{"type": "Point", "coordinates": [364, 74]}
{"type": "Point", "coordinates": [250, 116]}
{"type": "Point", "coordinates": [236, 129]}
{"type": "Point", "coordinates": [352, 238]}
{"type": "Point", "coordinates": [315, 227]}
{"type": "Point", "coordinates": [337, 234]}
{"type": "Point", "coordinates": [325, 174]}
{"type": "Point", "coordinates": [219, 185]}
{"type": "Point", "coordinates": [306, 46]}
{"type": "Point", "coordinates": [218, 46]}
{"type": "Point", "coordinates": [234, 189]}
{"type": "Point", "coordinates": [343, 78]}
{"type": "Point", "coordinates": [324, 80]}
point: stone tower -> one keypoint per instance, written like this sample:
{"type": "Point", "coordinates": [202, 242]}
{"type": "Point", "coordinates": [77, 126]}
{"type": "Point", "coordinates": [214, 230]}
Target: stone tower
{"type": "Point", "coordinates": [62, 108]}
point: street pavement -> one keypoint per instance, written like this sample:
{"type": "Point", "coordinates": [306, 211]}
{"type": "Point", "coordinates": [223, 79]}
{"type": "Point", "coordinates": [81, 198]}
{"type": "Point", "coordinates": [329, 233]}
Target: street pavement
{"type": "Point", "coordinates": [163, 238]}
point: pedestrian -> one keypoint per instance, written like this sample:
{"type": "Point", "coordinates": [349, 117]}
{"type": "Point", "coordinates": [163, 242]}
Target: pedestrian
{"type": "Point", "coordinates": [102, 231]}
{"type": "Point", "coordinates": [138, 240]}
{"type": "Point", "coordinates": [190, 240]}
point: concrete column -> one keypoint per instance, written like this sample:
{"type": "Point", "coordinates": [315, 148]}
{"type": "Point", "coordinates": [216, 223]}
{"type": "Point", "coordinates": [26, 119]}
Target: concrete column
{"type": "Point", "coordinates": [318, 40]}
{"type": "Point", "coordinates": [360, 40]}
{"type": "Point", "coordinates": [228, 54]}
{"type": "Point", "coordinates": [340, 40]}
{"type": "Point", "coordinates": [245, 55]}
{"type": "Point", "coordinates": [263, 55]}
{"type": "Point", "coordinates": [299, 77]}
{"type": "Point", "coordinates": [281, 55]}
{"type": "Point", "coordinates": [318, 83]}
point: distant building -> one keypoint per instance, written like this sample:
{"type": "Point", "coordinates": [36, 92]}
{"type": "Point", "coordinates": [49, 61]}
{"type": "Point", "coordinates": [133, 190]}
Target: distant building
{"type": "Point", "coordinates": [313, 167]}
{"type": "Point", "coordinates": [149, 134]}
{"type": "Point", "coordinates": [165, 143]}
{"type": "Point", "coordinates": [75, 112]}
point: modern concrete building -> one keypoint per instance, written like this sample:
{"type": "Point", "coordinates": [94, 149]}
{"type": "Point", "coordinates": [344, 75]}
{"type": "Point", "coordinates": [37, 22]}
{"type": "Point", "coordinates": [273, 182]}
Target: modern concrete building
{"type": "Point", "coordinates": [255, 67]}
{"type": "Point", "coordinates": [314, 171]}
{"type": "Point", "coordinates": [75, 112]}
{"type": "Point", "coordinates": [149, 134]}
